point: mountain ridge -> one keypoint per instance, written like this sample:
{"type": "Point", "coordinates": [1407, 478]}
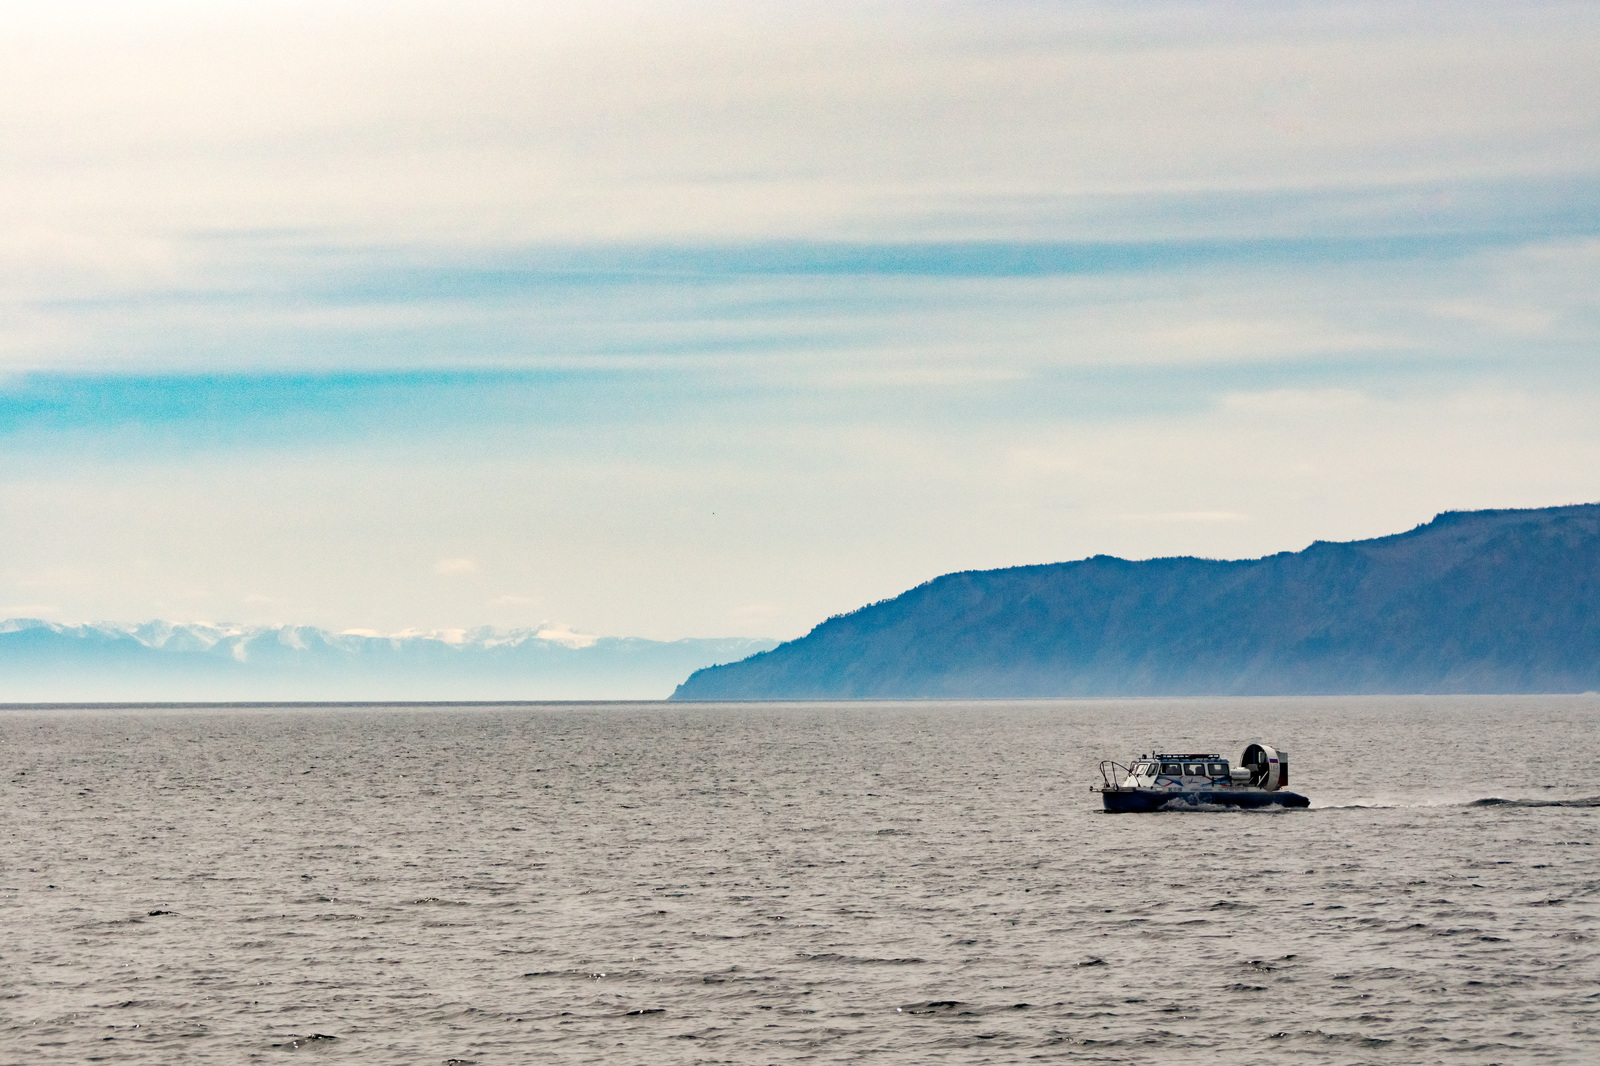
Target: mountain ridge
{"type": "Point", "coordinates": [1504, 600]}
{"type": "Point", "coordinates": [42, 661]}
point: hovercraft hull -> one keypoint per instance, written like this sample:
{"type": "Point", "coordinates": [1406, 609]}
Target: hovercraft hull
{"type": "Point", "coordinates": [1134, 800]}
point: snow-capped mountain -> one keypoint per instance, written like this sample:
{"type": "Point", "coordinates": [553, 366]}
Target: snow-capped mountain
{"type": "Point", "coordinates": [167, 661]}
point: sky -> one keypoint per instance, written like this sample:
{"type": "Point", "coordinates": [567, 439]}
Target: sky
{"type": "Point", "coordinates": [716, 319]}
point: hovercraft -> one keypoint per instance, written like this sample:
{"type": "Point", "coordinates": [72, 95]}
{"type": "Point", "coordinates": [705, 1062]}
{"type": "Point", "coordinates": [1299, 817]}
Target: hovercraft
{"type": "Point", "coordinates": [1154, 782]}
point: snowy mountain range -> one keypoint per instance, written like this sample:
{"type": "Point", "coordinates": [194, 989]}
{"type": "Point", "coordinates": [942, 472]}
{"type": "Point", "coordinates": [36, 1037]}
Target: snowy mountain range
{"type": "Point", "coordinates": [199, 661]}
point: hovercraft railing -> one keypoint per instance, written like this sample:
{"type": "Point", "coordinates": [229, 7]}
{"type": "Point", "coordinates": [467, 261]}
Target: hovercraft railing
{"type": "Point", "coordinates": [1109, 773]}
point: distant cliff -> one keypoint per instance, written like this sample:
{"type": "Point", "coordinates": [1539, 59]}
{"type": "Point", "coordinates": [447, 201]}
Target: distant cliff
{"type": "Point", "coordinates": [1479, 601]}
{"type": "Point", "coordinates": [162, 661]}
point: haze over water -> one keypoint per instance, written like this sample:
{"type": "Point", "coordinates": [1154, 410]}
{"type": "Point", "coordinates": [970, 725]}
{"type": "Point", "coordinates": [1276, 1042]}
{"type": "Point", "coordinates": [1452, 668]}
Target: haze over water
{"type": "Point", "coordinates": [899, 883]}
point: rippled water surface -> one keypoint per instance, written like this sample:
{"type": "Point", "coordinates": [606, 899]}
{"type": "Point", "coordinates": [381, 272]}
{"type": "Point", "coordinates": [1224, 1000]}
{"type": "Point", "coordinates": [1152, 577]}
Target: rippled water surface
{"type": "Point", "coordinates": [900, 883]}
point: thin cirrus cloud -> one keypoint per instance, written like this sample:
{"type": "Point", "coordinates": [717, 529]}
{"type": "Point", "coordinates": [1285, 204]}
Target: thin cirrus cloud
{"type": "Point", "coordinates": [641, 300]}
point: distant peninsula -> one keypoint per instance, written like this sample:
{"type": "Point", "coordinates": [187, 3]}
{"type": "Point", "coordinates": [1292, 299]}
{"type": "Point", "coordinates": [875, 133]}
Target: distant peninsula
{"type": "Point", "coordinates": [1504, 601]}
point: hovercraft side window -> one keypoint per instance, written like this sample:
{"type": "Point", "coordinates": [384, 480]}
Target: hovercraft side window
{"type": "Point", "coordinates": [1175, 768]}
{"type": "Point", "coordinates": [1195, 769]}
{"type": "Point", "coordinates": [1218, 769]}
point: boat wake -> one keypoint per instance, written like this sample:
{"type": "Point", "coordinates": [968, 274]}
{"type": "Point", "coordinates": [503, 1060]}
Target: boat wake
{"type": "Point", "coordinates": [1387, 804]}
{"type": "Point", "coordinates": [1491, 801]}
{"type": "Point", "coordinates": [1496, 801]}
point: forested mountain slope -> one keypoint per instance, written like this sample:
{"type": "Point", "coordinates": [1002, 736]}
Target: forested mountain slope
{"type": "Point", "coordinates": [1480, 601]}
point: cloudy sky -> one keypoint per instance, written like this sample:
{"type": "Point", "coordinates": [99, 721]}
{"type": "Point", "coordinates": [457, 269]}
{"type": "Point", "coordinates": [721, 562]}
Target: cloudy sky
{"type": "Point", "coordinates": [700, 319]}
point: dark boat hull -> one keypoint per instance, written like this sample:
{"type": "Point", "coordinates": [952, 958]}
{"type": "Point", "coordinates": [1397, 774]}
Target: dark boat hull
{"type": "Point", "coordinates": [1130, 801]}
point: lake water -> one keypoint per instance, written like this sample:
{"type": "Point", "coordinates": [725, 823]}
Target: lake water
{"type": "Point", "coordinates": [895, 883]}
